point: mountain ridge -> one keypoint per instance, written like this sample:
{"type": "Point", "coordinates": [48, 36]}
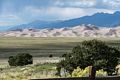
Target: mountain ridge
{"type": "Point", "coordinates": [97, 19]}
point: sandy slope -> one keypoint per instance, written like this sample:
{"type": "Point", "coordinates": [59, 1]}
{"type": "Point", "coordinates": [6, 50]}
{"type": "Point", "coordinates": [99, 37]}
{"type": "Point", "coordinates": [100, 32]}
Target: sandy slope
{"type": "Point", "coordinates": [77, 31]}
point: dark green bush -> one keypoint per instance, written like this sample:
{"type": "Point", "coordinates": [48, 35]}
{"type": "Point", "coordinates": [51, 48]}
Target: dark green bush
{"type": "Point", "coordinates": [50, 56]}
{"type": "Point", "coordinates": [64, 55]}
{"type": "Point", "coordinates": [20, 60]}
{"type": "Point", "coordinates": [91, 53]}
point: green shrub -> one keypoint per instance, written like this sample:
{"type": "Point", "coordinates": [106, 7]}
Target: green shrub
{"type": "Point", "coordinates": [91, 53]}
{"type": "Point", "coordinates": [20, 60]}
{"type": "Point", "coordinates": [50, 56]}
{"type": "Point", "coordinates": [64, 55]}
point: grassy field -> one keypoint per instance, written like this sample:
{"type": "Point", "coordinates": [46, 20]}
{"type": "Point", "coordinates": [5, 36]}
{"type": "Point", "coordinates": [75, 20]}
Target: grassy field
{"type": "Point", "coordinates": [28, 72]}
{"type": "Point", "coordinates": [43, 67]}
{"type": "Point", "coordinates": [42, 47]}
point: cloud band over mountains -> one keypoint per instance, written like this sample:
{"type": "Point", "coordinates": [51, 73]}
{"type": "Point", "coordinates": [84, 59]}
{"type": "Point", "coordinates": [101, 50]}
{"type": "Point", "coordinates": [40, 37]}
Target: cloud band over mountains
{"type": "Point", "coordinates": [14, 12]}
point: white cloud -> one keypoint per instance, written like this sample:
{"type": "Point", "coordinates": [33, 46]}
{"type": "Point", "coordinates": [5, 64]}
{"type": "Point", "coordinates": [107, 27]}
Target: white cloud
{"type": "Point", "coordinates": [76, 3]}
{"type": "Point", "coordinates": [60, 13]}
{"type": "Point", "coordinates": [112, 4]}
{"type": "Point", "coordinates": [54, 12]}
{"type": "Point", "coordinates": [32, 9]}
{"type": "Point", "coordinates": [9, 16]}
{"type": "Point", "coordinates": [9, 19]}
{"type": "Point", "coordinates": [102, 4]}
{"type": "Point", "coordinates": [65, 13]}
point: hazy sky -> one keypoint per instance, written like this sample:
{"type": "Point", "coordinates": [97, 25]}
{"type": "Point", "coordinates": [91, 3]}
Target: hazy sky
{"type": "Point", "coordinates": [14, 12]}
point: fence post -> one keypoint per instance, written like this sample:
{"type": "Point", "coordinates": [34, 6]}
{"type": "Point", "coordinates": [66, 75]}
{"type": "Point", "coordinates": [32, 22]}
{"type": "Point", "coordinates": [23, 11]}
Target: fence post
{"type": "Point", "coordinates": [92, 73]}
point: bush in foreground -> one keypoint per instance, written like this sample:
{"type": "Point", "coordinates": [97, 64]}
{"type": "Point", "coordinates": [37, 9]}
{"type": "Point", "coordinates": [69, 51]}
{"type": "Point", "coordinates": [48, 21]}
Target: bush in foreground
{"type": "Point", "coordinates": [91, 53]}
{"type": "Point", "coordinates": [20, 60]}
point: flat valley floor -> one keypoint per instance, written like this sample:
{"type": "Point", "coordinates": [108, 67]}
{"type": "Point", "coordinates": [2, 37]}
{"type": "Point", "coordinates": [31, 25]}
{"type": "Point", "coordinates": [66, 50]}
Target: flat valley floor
{"type": "Point", "coordinates": [44, 46]}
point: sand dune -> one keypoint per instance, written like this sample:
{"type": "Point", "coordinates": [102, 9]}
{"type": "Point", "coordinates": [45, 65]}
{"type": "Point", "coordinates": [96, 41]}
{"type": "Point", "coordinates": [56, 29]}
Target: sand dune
{"type": "Point", "coordinates": [77, 31]}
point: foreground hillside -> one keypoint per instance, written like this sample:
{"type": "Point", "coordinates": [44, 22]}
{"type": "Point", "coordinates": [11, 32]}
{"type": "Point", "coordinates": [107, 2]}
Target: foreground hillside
{"type": "Point", "coordinates": [77, 31]}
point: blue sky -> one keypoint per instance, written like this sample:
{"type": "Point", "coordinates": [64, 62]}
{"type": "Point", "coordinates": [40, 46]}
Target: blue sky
{"type": "Point", "coordinates": [14, 12]}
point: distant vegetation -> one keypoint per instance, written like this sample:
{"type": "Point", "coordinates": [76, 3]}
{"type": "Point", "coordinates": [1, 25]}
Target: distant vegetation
{"type": "Point", "coordinates": [50, 55]}
{"type": "Point", "coordinates": [20, 60]}
{"type": "Point", "coordinates": [42, 47]}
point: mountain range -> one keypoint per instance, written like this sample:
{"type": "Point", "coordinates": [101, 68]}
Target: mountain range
{"type": "Point", "coordinates": [97, 19]}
